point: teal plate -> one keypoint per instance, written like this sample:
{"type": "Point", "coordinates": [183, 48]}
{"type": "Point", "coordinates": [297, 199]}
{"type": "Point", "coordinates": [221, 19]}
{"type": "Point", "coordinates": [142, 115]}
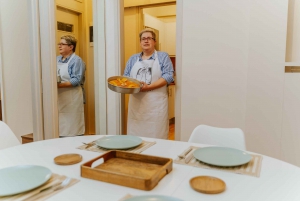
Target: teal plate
{"type": "Point", "coordinates": [222, 156]}
{"type": "Point", "coordinates": [21, 178]}
{"type": "Point", "coordinates": [119, 142]}
{"type": "Point", "coordinates": [152, 198]}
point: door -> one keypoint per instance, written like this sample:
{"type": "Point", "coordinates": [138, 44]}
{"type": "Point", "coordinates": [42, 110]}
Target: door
{"type": "Point", "coordinates": [67, 24]}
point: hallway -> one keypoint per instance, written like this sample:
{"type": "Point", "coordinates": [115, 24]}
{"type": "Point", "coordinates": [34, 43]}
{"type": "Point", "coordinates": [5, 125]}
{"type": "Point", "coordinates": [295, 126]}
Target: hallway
{"type": "Point", "coordinates": [171, 132]}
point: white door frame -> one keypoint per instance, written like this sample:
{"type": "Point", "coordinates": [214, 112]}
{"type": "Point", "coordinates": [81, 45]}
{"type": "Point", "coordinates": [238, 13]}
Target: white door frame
{"type": "Point", "coordinates": [99, 66]}
{"type": "Point", "coordinates": [36, 71]}
{"type": "Point", "coordinates": [1, 82]}
{"type": "Point", "coordinates": [179, 28]}
{"type": "Point", "coordinates": [108, 50]}
{"type": "Point", "coordinates": [43, 69]}
{"type": "Point", "coordinates": [109, 58]}
{"type": "Point", "coordinates": [48, 58]}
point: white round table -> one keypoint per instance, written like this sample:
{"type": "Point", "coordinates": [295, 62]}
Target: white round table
{"type": "Point", "coordinates": [278, 180]}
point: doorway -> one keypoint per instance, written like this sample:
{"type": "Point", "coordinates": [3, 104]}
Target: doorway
{"type": "Point", "coordinates": [72, 19]}
{"type": "Point", "coordinates": [162, 19]}
{"type": "Point", "coordinates": [106, 108]}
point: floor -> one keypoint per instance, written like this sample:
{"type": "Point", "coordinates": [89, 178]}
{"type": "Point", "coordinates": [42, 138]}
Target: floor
{"type": "Point", "coordinates": [0, 112]}
{"type": "Point", "coordinates": [171, 132]}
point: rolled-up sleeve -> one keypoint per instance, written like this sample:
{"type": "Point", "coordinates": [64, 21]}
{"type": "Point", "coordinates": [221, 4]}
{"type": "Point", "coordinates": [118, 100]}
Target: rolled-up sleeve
{"type": "Point", "coordinates": [166, 67]}
{"type": "Point", "coordinates": [77, 72]}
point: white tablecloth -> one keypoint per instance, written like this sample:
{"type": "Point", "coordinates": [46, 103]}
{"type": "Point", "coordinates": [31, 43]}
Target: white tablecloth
{"type": "Point", "coordinates": [278, 180]}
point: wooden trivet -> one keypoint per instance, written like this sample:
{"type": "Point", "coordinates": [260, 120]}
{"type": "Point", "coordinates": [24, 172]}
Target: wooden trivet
{"type": "Point", "coordinates": [68, 159]}
{"type": "Point", "coordinates": [207, 184]}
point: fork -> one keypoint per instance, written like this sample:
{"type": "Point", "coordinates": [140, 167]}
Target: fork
{"type": "Point", "coordinates": [88, 144]}
{"type": "Point", "coordinates": [55, 187]}
{"type": "Point", "coordinates": [61, 185]}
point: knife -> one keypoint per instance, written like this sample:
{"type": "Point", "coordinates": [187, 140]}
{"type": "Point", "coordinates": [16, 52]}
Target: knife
{"type": "Point", "coordinates": [182, 155]}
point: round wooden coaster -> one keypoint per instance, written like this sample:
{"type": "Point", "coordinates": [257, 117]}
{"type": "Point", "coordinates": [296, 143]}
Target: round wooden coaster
{"type": "Point", "coordinates": [207, 184]}
{"type": "Point", "coordinates": [67, 159]}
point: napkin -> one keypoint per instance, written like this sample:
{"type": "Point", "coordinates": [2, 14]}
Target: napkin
{"type": "Point", "coordinates": [36, 195]}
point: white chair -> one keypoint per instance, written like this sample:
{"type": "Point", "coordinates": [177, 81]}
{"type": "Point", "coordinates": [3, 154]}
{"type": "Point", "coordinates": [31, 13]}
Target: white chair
{"type": "Point", "coordinates": [225, 137]}
{"type": "Point", "coordinates": [7, 137]}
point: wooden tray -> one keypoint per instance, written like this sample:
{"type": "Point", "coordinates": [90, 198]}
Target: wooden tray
{"type": "Point", "coordinates": [128, 169]}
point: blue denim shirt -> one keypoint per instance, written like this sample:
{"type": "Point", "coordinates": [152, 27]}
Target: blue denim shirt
{"type": "Point", "coordinates": [76, 70]}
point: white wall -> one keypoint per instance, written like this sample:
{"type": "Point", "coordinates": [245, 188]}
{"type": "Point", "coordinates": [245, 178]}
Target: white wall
{"type": "Point", "coordinates": [291, 119]}
{"type": "Point", "coordinates": [163, 17]}
{"type": "Point", "coordinates": [232, 69]}
{"type": "Point", "coordinates": [265, 78]}
{"type": "Point", "coordinates": [167, 33]}
{"type": "Point", "coordinates": [291, 108]}
{"type": "Point", "coordinates": [14, 44]}
{"type": "Point", "coordinates": [155, 23]}
{"type": "Point", "coordinates": [170, 38]}
{"type": "Point", "coordinates": [214, 64]}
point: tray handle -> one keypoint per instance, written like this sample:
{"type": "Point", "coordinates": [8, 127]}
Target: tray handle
{"type": "Point", "coordinates": [97, 162]}
{"type": "Point", "coordinates": [100, 159]}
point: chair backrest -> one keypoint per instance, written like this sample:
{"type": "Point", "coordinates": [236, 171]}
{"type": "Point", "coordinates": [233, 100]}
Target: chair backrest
{"type": "Point", "coordinates": [7, 137]}
{"type": "Point", "coordinates": [225, 137]}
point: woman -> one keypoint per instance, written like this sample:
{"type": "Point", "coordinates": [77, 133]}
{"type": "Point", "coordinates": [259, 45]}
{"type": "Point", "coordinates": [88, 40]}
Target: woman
{"type": "Point", "coordinates": [148, 109]}
{"type": "Point", "coordinates": [70, 70]}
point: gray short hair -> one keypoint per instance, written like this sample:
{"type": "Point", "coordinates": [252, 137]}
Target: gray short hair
{"type": "Point", "coordinates": [150, 31]}
{"type": "Point", "coordinates": [71, 40]}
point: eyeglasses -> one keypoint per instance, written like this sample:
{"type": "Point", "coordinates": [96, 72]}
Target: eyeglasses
{"type": "Point", "coordinates": [59, 44]}
{"type": "Point", "coordinates": [146, 39]}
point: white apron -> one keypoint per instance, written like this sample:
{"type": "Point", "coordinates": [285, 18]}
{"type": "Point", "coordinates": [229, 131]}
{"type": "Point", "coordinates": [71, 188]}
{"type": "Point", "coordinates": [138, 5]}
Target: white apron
{"type": "Point", "coordinates": [148, 111]}
{"type": "Point", "coordinates": [70, 105]}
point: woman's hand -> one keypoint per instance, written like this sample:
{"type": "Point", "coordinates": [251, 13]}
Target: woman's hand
{"type": "Point", "coordinates": [145, 87]}
{"type": "Point", "coordinates": [159, 83]}
{"type": "Point", "coordinates": [64, 85]}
